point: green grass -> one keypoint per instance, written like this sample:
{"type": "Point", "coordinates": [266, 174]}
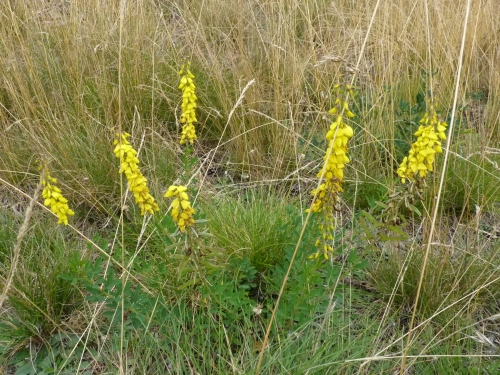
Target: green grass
{"type": "Point", "coordinates": [256, 225]}
{"type": "Point", "coordinates": [119, 294]}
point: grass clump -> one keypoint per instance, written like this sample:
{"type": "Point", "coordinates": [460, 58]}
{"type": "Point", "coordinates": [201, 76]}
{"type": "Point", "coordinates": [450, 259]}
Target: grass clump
{"type": "Point", "coordinates": [254, 225]}
{"type": "Point", "coordinates": [473, 182]}
{"type": "Point", "coordinates": [40, 302]}
{"type": "Point", "coordinates": [452, 275]}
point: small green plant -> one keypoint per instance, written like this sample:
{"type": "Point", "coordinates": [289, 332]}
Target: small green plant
{"type": "Point", "coordinates": [61, 354]}
{"type": "Point", "coordinates": [226, 291]}
{"type": "Point", "coordinates": [40, 302]}
{"type": "Point", "coordinates": [108, 289]}
{"type": "Point", "coordinates": [399, 263]}
{"type": "Point", "coordinates": [313, 284]}
{"type": "Point", "coordinates": [390, 216]}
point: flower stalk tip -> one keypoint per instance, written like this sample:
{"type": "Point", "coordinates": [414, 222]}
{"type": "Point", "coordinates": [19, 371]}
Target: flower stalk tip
{"type": "Point", "coordinates": [182, 212]}
{"type": "Point", "coordinates": [188, 106]}
{"type": "Point", "coordinates": [53, 197]}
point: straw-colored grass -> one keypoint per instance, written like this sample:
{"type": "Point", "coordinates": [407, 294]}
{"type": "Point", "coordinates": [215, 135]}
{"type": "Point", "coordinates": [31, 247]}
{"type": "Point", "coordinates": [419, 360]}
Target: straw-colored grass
{"type": "Point", "coordinates": [73, 73]}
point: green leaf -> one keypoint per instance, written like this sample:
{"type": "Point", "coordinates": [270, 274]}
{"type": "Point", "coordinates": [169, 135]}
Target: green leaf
{"type": "Point", "coordinates": [26, 369]}
{"type": "Point", "coordinates": [371, 219]}
{"type": "Point", "coordinates": [381, 204]}
{"type": "Point", "coordinates": [368, 232]}
{"type": "Point", "coordinates": [398, 230]}
{"type": "Point", "coordinates": [414, 209]}
{"type": "Point", "coordinates": [46, 365]}
{"type": "Point", "coordinates": [187, 284]}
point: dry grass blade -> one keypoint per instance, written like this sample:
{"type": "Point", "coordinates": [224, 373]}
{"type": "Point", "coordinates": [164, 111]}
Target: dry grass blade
{"type": "Point", "coordinates": [17, 248]}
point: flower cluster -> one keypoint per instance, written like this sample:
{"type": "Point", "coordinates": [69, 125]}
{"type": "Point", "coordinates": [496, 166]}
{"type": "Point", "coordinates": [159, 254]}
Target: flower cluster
{"type": "Point", "coordinates": [326, 195]}
{"type": "Point", "coordinates": [333, 169]}
{"type": "Point", "coordinates": [182, 212]}
{"type": "Point", "coordinates": [420, 159]}
{"type": "Point", "coordinates": [53, 197]}
{"type": "Point", "coordinates": [188, 106]}
{"type": "Point", "coordinates": [129, 164]}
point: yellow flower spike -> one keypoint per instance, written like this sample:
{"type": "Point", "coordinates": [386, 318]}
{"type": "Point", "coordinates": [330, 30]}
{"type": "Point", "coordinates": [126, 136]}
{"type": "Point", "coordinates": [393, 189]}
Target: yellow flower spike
{"type": "Point", "coordinates": [182, 212]}
{"type": "Point", "coordinates": [423, 151]}
{"type": "Point", "coordinates": [188, 106]}
{"type": "Point", "coordinates": [53, 198]}
{"type": "Point", "coordinates": [129, 165]}
{"type": "Point", "coordinates": [327, 194]}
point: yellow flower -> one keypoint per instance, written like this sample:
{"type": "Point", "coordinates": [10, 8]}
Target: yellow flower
{"type": "Point", "coordinates": [327, 194]}
{"type": "Point", "coordinates": [333, 168]}
{"type": "Point", "coordinates": [420, 159]}
{"type": "Point", "coordinates": [53, 197]}
{"type": "Point", "coordinates": [188, 106]}
{"type": "Point", "coordinates": [129, 165]}
{"type": "Point", "coordinates": [182, 212]}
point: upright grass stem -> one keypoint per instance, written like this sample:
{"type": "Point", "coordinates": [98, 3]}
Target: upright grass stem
{"type": "Point", "coordinates": [123, 5]}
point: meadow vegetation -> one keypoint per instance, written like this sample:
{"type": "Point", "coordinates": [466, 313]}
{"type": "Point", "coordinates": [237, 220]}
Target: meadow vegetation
{"type": "Point", "coordinates": [249, 186]}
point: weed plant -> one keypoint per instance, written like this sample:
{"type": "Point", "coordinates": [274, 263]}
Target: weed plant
{"type": "Point", "coordinates": [179, 250]}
